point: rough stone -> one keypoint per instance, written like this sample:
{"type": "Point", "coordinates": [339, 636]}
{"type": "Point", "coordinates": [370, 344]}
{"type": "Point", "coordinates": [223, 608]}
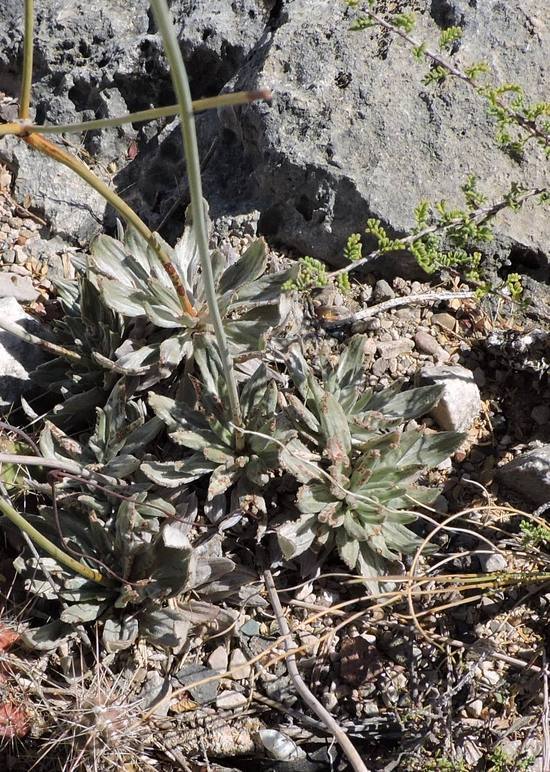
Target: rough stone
{"type": "Point", "coordinates": [17, 287]}
{"type": "Point", "coordinates": [447, 321]}
{"type": "Point", "coordinates": [17, 358]}
{"type": "Point", "coordinates": [218, 659]}
{"type": "Point", "coordinates": [97, 62]}
{"type": "Point", "coordinates": [361, 137]}
{"type": "Point", "coordinates": [393, 348]}
{"type": "Point", "coordinates": [238, 665]}
{"type": "Point", "coordinates": [427, 344]}
{"type": "Point", "coordinates": [529, 474]}
{"type": "Point", "coordinates": [492, 561]}
{"type": "Point", "coordinates": [230, 700]}
{"type": "Point", "coordinates": [460, 403]}
{"type": "Point", "coordinates": [383, 291]}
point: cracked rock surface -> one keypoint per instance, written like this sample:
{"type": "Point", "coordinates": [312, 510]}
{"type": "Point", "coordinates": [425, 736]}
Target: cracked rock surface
{"type": "Point", "coordinates": [351, 132]}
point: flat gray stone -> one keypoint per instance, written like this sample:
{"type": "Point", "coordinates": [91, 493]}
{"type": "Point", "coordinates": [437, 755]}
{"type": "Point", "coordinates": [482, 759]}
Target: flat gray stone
{"type": "Point", "coordinates": [17, 358]}
{"type": "Point", "coordinates": [393, 348]}
{"type": "Point", "coordinates": [460, 403]}
{"type": "Point", "coordinates": [17, 287]}
{"type": "Point", "coordinates": [427, 344]}
{"type": "Point", "coordinates": [529, 474]}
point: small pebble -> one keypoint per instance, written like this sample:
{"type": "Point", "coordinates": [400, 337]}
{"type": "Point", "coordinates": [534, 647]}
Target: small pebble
{"type": "Point", "coordinates": [427, 344]}
{"type": "Point", "coordinates": [380, 366]}
{"type": "Point", "coordinates": [369, 347]}
{"type": "Point", "coordinates": [20, 255]}
{"type": "Point", "coordinates": [493, 561]}
{"type": "Point", "coordinates": [218, 659]}
{"type": "Point", "coordinates": [238, 665]}
{"type": "Point", "coordinates": [444, 320]}
{"type": "Point", "coordinates": [391, 349]}
{"type": "Point", "coordinates": [366, 325]}
{"type": "Point", "coordinates": [230, 700]}
{"type": "Point", "coordinates": [382, 291]}
{"type": "Point", "coordinates": [330, 700]}
{"type": "Point", "coordinates": [491, 677]}
{"type": "Point", "coordinates": [474, 708]}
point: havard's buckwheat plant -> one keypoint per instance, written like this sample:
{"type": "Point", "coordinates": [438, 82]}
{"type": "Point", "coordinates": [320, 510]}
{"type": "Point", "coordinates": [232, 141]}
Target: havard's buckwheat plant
{"type": "Point", "coordinates": [359, 467]}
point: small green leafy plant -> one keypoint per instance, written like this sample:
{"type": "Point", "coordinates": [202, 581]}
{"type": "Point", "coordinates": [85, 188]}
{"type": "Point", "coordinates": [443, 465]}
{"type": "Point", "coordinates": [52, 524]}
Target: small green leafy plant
{"type": "Point", "coordinates": [358, 467]}
{"type": "Point", "coordinates": [132, 282]}
{"type": "Point", "coordinates": [200, 421]}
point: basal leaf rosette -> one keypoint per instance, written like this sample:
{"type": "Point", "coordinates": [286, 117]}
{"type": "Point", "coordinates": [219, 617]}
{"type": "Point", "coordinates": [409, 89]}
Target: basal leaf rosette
{"type": "Point", "coordinates": [204, 427]}
{"type": "Point", "coordinates": [360, 496]}
{"type": "Point", "coordinates": [133, 282]}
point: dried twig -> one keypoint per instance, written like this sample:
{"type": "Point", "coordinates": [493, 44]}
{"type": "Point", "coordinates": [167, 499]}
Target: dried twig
{"type": "Point", "coordinates": [545, 716]}
{"type": "Point", "coordinates": [387, 305]}
{"type": "Point", "coordinates": [339, 735]}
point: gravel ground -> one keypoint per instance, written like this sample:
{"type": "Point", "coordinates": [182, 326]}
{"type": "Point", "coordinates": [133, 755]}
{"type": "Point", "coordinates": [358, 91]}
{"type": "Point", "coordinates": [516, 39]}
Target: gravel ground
{"type": "Point", "coordinates": [459, 688]}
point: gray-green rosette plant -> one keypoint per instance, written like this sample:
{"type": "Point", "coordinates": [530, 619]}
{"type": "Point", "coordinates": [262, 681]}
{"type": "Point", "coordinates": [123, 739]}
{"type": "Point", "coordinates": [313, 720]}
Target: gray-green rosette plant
{"type": "Point", "coordinates": [203, 425]}
{"type": "Point", "coordinates": [357, 466]}
{"type": "Point", "coordinates": [133, 282]}
{"type": "Point", "coordinates": [114, 520]}
{"type": "Point", "coordinates": [95, 332]}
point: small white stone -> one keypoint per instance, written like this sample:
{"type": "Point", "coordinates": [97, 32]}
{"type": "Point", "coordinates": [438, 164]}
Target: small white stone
{"type": "Point", "coordinates": [460, 403]}
{"type": "Point", "coordinates": [238, 665]}
{"type": "Point", "coordinates": [474, 708]}
{"type": "Point", "coordinates": [492, 561]}
{"type": "Point", "coordinates": [218, 659]}
{"type": "Point", "coordinates": [491, 677]}
{"type": "Point", "coordinates": [529, 474]}
{"type": "Point", "coordinates": [230, 700]}
{"type": "Point", "coordinates": [330, 700]}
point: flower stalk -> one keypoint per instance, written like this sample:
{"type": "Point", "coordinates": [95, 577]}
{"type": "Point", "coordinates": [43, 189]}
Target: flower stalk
{"type": "Point", "coordinates": [48, 546]}
{"type": "Point", "coordinates": [181, 87]}
{"type": "Point", "coordinates": [25, 98]}
{"type": "Point", "coordinates": [126, 212]}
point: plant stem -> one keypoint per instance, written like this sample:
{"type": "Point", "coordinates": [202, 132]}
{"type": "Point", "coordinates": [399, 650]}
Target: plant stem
{"type": "Point", "coordinates": [478, 216]}
{"type": "Point", "coordinates": [28, 43]}
{"type": "Point", "coordinates": [72, 467]}
{"type": "Point", "coordinates": [209, 103]}
{"type": "Point", "coordinates": [127, 213]}
{"type": "Point", "coordinates": [355, 760]}
{"type": "Point", "coordinates": [28, 337]}
{"type": "Point", "coordinates": [406, 300]}
{"type": "Point", "coordinates": [183, 93]}
{"type": "Point", "coordinates": [48, 546]}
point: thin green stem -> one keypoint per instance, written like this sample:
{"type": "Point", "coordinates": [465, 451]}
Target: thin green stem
{"type": "Point", "coordinates": [72, 467]}
{"type": "Point", "coordinates": [28, 43]}
{"type": "Point", "coordinates": [48, 546]}
{"type": "Point", "coordinates": [183, 93]}
{"type": "Point", "coordinates": [125, 211]}
{"type": "Point", "coordinates": [209, 103]}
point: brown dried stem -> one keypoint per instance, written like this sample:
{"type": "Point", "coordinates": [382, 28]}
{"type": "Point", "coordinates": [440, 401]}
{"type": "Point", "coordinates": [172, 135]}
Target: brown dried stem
{"type": "Point", "coordinates": [320, 711]}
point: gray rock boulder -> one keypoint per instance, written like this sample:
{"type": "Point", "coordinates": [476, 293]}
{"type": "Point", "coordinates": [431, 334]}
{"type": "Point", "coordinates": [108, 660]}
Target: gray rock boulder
{"type": "Point", "coordinates": [529, 474]}
{"type": "Point", "coordinates": [353, 134]}
{"type": "Point", "coordinates": [17, 358]}
{"type": "Point", "coordinates": [97, 59]}
{"type": "Point", "coordinates": [17, 287]}
{"type": "Point", "coordinates": [460, 403]}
